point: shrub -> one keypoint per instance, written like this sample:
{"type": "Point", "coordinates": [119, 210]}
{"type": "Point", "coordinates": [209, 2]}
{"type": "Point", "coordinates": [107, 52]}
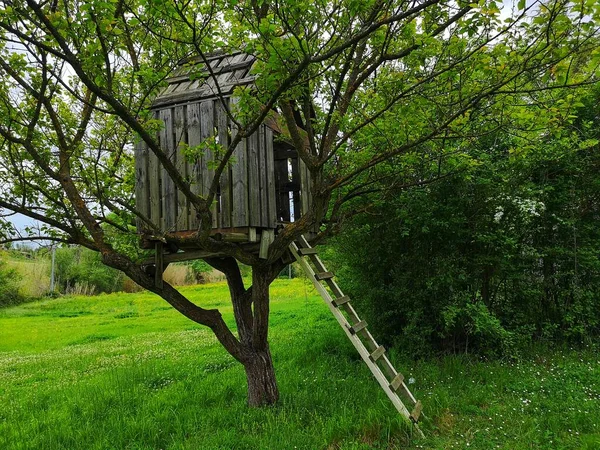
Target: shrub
{"type": "Point", "coordinates": [9, 285]}
{"type": "Point", "coordinates": [81, 271]}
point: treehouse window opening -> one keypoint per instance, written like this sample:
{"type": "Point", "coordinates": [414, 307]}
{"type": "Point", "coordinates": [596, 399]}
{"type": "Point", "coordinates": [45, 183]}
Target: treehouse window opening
{"type": "Point", "coordinates": [287, 182]}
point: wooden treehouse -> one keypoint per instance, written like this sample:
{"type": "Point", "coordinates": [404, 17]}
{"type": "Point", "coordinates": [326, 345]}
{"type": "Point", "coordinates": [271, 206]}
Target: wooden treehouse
{"type": "Point", "coordinates": [265, 186]}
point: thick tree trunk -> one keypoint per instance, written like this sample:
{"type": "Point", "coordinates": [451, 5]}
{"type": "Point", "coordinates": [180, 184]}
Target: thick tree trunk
{"type": "Point", "coordinates": [260, 374]}
{"type": "Point", "coordinates": [251, 311]}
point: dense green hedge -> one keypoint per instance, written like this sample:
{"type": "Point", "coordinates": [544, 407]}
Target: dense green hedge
{"type": "Point", "coordinates": [492, 257]}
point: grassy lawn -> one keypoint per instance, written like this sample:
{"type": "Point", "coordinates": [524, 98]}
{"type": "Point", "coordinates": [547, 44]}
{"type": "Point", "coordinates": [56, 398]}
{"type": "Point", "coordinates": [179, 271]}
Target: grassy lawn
{"type": "Point", "coordinates": [125, 371]}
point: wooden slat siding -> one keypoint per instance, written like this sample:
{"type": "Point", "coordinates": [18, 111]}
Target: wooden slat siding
{"type": "Point", "coordinates": [154, 177]}
{"type": "Point", "coordinates": [272, 211]}
{"type": "Point", "coordinates": [169, 201]}
{"type": "Point", "coordinates": [207, 126]}
{"type": "Point", "coordinates": [262, 177]}
{"type": "Point", "coordinates": [239, 176]}
{"type": "Point", "coordinates": [142, 188]}
{"type": "Point", "coordinates": [195, 169]}
{"type": "Point", "coordinates": [225, 180]}
{"type": "Point", "coordinates": [179, 126]}
{"type": "Point", "coordinates": [253, 183]}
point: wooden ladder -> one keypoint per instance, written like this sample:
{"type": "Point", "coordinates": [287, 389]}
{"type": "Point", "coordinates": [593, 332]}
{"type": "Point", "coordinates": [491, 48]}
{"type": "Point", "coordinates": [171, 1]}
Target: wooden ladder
{"type": "Point", "coordinates": [372, 353]}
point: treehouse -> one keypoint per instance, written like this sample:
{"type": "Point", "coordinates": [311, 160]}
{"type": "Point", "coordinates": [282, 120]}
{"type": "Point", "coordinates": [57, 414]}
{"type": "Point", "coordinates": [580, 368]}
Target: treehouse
{"type": "Point", "coordinates": [265, 185]}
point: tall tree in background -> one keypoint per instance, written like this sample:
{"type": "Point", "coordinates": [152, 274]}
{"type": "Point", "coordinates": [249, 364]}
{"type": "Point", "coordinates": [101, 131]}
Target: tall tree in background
{"type": "Point", "coordinates": [356, 83]}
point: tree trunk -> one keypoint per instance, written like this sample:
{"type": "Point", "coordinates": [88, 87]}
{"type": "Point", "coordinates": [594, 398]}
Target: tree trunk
{"type": "Point", "coordinates": [260, 374]}
{"type": "Point", "coordinates": [251, 311]}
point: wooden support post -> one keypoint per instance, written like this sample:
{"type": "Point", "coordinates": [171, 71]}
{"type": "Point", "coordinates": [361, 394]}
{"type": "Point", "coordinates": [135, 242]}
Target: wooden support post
{"type": "Point", "coordinates": [252, 235]}
{"type": "Point", "coordinates": [158, 265]}
{"type": "Point", "coordinates": [266, 238]}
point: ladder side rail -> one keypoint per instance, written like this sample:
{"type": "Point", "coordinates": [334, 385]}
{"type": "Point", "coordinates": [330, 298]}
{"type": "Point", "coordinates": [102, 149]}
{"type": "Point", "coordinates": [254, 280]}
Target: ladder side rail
{"type": "Point", "coordinates": [362, 350]}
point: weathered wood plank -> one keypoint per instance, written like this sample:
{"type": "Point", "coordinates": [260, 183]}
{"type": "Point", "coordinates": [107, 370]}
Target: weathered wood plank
{"type": "Point", "coordinates": [262, 177]}
{"type": "Point", "coordinates": [195, 167]}
{"type": "Point", "coordinates": [168, 188]}
{"type": "Point", "coordinates": [180, 136]}
{"type": "Point", "coordinates": [142, 188]}
{"type": "Point", "coordinates": [304, 188]}
{"type": "Point", "coordinates": [307, 251]}
{"type": "Point", "coordinates": [416, 412]}
{"type": "Point", "coordinates": [207, 130]}
{"type": "Point", "coordinates": [323, 276]}
{"type": "Point", "coordinates": [252, 235]}
{"type": "Point", "coordinates": [239, 176]}
{"type": "Point", "coordinates": [154, 177]}
{"type": "Point", "coordinates": [253, 183]}
{"type": "Point", "coordinates": [225, 179]}
{"type": "Point", "coordinates": [396, 382]}
{"type": "Point", "coordinates": [377, 353]}
{"type": "Point", "coordinates": [358, 326]}
{"type": "Point", "coordinates": [266, 238]}
{"type": "Point", "coordinates": [341, 300]}
{"type": "Point", "coordinates": [271, 195]}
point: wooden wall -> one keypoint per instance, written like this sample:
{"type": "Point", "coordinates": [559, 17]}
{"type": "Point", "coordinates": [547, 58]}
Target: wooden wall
{"type": "Point", "coordinates": [246, 195]}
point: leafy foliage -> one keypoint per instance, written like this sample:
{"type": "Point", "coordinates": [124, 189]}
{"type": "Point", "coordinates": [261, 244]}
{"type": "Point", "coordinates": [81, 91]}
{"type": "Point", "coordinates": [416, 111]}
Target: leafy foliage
{"type": "Point", "coordinates": [81, 270]}
{"type": "Point", "coordinates": [499, 253]}
{"type": "Point", "coordinates": [9, 285]}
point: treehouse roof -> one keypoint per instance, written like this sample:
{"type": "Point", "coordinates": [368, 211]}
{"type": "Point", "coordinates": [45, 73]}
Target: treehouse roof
{"type": "Point", "coordinates": [194, 80]}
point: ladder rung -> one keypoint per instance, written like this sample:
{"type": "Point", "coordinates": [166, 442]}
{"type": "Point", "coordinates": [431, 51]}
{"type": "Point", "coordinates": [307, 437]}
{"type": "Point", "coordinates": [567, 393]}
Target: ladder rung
{"type": "Point", "coordinates": [416, 413]}
{"type": "Point", "coordinates": [323, 276]}
{"type": "Point", "coordinates": [396, 382]}
{"type": "Point", "coordinates": [307, 251]}
{"type": "Point", "coordinates": [358, 326]}
{"type": "Point", "coordinates": [377, 353]}
{"type": "Point", "coordinates": [340, 301]}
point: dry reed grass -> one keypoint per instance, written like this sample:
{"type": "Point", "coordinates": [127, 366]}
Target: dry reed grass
{"type": "Point", "coordinates": [35, 276]}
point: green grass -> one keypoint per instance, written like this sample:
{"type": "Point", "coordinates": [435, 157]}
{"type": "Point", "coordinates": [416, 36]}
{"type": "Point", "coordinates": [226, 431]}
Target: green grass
{"type": "Point", "coordinates": [125, 371]}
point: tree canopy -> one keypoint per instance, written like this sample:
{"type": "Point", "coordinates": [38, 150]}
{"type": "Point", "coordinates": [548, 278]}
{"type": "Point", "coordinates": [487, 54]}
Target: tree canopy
{"type": "Point", "coordinates": [362, 87]}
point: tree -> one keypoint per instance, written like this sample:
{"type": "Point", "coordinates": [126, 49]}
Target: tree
{"type": "Point", "coordinates": [356, 84]}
